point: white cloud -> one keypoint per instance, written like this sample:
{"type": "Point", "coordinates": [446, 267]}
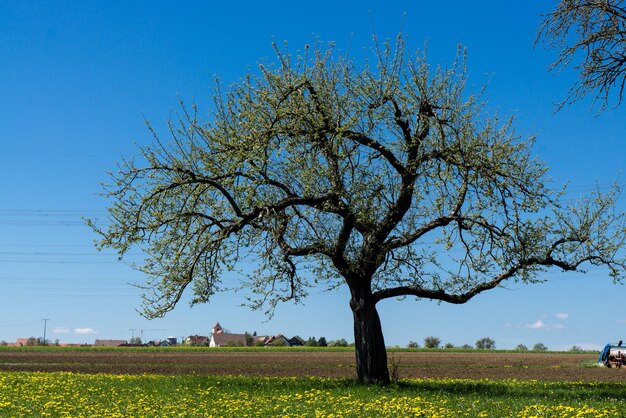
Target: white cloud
{"type": "Point", "coordinates": [539, 324]}
{"type": "Point", "coordinates": [562, 316]}
{"type": "Point", "coordinates": [61, 330]}
{"type": "Point", "coordinates": [621, 321]}
{"type": "Point", "coordinates": [82, 331]}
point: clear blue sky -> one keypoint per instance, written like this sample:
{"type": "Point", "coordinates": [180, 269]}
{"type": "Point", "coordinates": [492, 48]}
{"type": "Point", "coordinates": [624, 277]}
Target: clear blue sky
{"type": "Point", "coordinates": [77, 80]}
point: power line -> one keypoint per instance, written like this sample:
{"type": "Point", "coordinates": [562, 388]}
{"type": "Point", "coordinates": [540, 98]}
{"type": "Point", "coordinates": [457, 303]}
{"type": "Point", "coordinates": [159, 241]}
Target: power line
{"type": "Point", "coordinates": [23, 324]}
{"type": "Point", "coordinates": [41, 223]}
{"type": "Point", "coordinates": [47, 212]}
{"type": "Point", "coordinates": [99, 254]}
{"type": "Point", "coordinates": [131, 264]}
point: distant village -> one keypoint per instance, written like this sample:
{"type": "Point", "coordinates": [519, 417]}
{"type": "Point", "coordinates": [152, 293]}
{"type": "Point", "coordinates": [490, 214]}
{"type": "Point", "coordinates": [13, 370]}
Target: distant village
{"type": "Point", "coordinates": [219, 337]}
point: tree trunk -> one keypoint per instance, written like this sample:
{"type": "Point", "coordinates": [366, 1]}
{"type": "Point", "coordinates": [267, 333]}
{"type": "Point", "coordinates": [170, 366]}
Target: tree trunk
{"type": "Point", "coordinates": [371, 354]}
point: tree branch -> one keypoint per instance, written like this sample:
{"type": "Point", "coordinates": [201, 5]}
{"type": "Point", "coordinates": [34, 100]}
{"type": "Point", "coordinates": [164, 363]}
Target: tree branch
{"type": "Point", "coordinates": [377, 146]}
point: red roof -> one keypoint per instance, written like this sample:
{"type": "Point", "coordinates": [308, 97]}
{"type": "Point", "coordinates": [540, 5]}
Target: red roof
{"type": "Point", "coordinates": [196, 339]}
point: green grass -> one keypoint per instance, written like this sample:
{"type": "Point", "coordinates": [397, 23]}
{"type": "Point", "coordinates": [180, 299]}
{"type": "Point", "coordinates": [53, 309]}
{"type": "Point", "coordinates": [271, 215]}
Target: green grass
{"type": "Point", "coordinates": [30, 394]}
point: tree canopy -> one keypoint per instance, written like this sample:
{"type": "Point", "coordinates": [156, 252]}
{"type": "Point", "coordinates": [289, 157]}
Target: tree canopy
{"type": "Point", "coordinates": [592, 35]}
{"type": "Point", "coordinates": [432, 342]}
{"type": "Point", "coordinates": [486, 343]}
{"type": "Point", "coordinates": [383, 175]}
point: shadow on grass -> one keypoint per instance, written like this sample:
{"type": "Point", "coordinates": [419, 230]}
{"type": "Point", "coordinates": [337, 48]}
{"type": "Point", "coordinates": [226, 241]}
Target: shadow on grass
{"type": "Point", "coordinates": [518, 389]}
{"type": "Point", "coordinates": [614, 391]}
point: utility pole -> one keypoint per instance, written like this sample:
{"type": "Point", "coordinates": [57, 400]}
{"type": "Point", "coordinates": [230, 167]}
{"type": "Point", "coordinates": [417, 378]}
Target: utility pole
{"type": "Point", "coordinates": [45, 322]}
{"type": "Point", "coordinates": [132, 338]}
{"type": "Point", "coordinates": [142, 330]}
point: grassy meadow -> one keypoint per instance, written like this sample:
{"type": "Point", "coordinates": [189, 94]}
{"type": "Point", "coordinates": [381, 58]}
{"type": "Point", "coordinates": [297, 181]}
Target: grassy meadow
{"type": "Point", "coordinates": [63, 394]}
{"type": "Point", "coordinates": [239, 382]}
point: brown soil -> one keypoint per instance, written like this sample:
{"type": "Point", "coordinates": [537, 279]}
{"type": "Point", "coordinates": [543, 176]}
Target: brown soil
{"type": "Point", "coordinates": [472, 365]}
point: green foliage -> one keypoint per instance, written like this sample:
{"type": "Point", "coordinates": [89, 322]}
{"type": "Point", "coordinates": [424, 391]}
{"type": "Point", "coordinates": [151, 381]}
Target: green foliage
{"type": "Point", "coordinates": [322, 342]}
{"type": "Point", "coordinates": [341, 342]}
{"type": "Point", "coordinates": [412, 344]}
{"type": "Point", "coordinates": [279, 342]}
{"type": "Point", "coordinates": [521, 347]}
{"type": "Point", "coordinates": [249, 339]}
{"type": "Point", "coordinates": [486, 343]}
{"type": "Point", "coordinates": [432, 342]}
{"type": "Point", "coordinates": [319, 167]}
{"type": "Point", "coordinates": [540, 347]}
{"type": "Point", "coordinates": [233, 343]}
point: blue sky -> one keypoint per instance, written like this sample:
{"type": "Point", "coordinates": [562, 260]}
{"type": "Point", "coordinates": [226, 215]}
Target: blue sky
{"type": "Point", "coordinates": [77, 80]}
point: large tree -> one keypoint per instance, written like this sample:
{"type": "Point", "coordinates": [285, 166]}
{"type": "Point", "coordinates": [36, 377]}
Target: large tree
{"type": "Point", "coordinates": [385, 177]}
{"type": "Point", "coordinates": [592, 34]}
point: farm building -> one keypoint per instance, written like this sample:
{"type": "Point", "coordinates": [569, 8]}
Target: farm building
{"type": "Point", "coordinates": [219, 338]}
{"type": "Point", "coordinates": [282, 341]}
{"type": "Point", "coordinates": [20, 342]}
{"type": "Point", "coordinates": [196, 340]}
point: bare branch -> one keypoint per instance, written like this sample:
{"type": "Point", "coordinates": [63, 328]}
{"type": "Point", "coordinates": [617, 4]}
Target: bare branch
{"type": "Point", "coordinates": [595, 31]}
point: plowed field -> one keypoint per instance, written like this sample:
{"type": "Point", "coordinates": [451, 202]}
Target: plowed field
{"type": "Point", "coordinates": [471, 365]}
